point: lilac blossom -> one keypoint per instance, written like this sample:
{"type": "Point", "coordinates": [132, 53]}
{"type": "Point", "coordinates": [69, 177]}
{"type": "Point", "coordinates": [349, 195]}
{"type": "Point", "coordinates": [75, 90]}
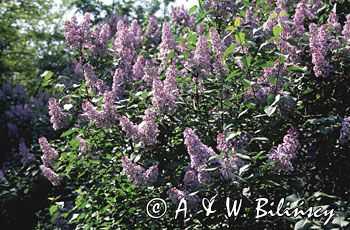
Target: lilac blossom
{"type": "Point", "coordinates": [83, 144]}
{"type": "Point", "coordinates": [139, 69]}
{"type": "Point", "coordinates": [230, 163]}
{"type": "Point", "coordinates": [285, 152]}
{"type": "Point", "coordinates": [93, 83]}
{"type": "Point", "coordinates": [152, 32]}
{"type": "Point", "coordinates": [218, 48]}
{"type": "Point", "coordinates": [49, 153]}
{"type": "Point", "coordinates": [27, 157]}
{"type": "Point", "coordinates": [146, 132]}
{"type": "Point", "coordinates": [99, 39]}
{"type": "Point", "coordinates": [196, 176]}
{"type": "Point", "coordinates": [50, 175]}
{"type": "Point", "coordinates": [168, 43]}
{"type": "Point", "coordinates": [220, 8]}
{"type": "Point", "coordinates": [137, 174]}
{"type": "Point", "coordinates": [319, 48]}
{"type": "Point", "coordinates": [104, 118]}
{"type": "Point", "coordinates": [333, 22]}
{"type": "Point", "coordinates": [176, 195]}
{"type": "Point", "coordinates": [165, 95]}
{"type": "Point", "coordinates": [135, 30]}
{"type": "Point", "coordinates": [181, 17]}
{"type": "Point", "coordinates": [301, 13]}
{"type": "Point", "coordinates": [201, 58]}
{"type": "Point", "coordinates": [118, 82]}
{"type": "Point", "coordinates": [346, 29]}
{"type": "Point", "coordinates": [78, 36]}
{"type": "Point", "coordinates": [151, 72]}
{"type": "Point", "coordinates": [345, 131]}
{"type": "Point", "coordinates": [58, 118]}
{"type": "Point", "coordinates": [199, 153]}
{"type": "Point", "coordinates": [124, 45]}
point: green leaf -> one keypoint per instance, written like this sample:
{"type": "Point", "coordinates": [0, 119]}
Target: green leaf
{"type": "Point", "coordinates": [193, 9]}
{"type": "Point", "coordinates": [240, 38]}
{"type": "Point", "coordinates": [247, 83]}
{"type": "Point", "coordinates": [277, 29]}
{"type": "Point", "coordinates": [52, 209]}
{"type": "Point", "coordinates": [228, 51]}
{"type": "Point", "coordinates": [237, 22]}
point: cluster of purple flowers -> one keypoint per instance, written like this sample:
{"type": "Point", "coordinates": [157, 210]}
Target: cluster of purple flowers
{"type": "Point", "coordinates": [345, 131]}
{"type": "Point", "coordinates": [137, 174]}
{"type": "Point", "coordinates": [27, 157]}
{"type": "Point", "coordinates": [167, 44]}
{"type": "Point", "coordinates": [229, 163]}
{"type": "Point", "coordinates": [319, 47]}
{"type": "Point", "coordinates": [176, 195]}
{"type": "Point", "coordinates": [263, 87]}
{"type": "Point", "coordinates": [285, 152]}
{"type": "Point", "coordinates": [105, 118]}
{"type": "Point", "coordinates": [218, 49]}
{"type": "Point", "coordinates": [152, 32]}
{"type": "Point", "coordinates": [196, 175]}
{"type": "Point", "coordinates": [146, 132]}
{"type": "Point", "coordinates": [165, 96]}
{"type": "Point", "coordinates": [50, 175]}
{"type": "Point", "coordinates": [180, 16]}
{"type": "Point", "coordinates": [302, 12]}
{"type": "Point", "coordinates": [346, 29]}
{"type": "Point", "coordinates": [78, 36]}
{"type": "Point", "coordinates": [99, 39]}
{"type": "Point", "coordinates": [49, 153]}
{"type": "Point", "coordinates": [48, 158]}
{"type": "Point", "coordinates": [220, 8]}
{"type": "Point", "coordinates": [83, 144]}
{"type": "Point", "coordinates": [93, 83]}
{"type": "Point", "coordinates": [59, 119]}
{"type": "Point", "coordinates": [18, 115]}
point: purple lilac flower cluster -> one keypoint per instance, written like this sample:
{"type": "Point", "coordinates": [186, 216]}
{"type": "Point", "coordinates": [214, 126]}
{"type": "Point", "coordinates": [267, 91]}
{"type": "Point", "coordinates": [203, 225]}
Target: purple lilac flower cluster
{"type": "Point", "coordinates": [49, 153]}
{"type": "Point", "coordinates": [196, 175]}
{"type": "Point", "coordinates": [263, 87]}
{"type": "Point", "coordinates": [146, 132]}
{"type": "Point", "coordinates": [220, 8]}
{"type": "Point", "coordinates": [59, 119]}
{"type": "Point", "coordinates": [218, 48]}
{"type": "Point", "coordinates": [176, 195]}
{"type": "Point", "coordinates": [152, 32]}
{"type": "Point", "coordinates": [345, 131]}
{"type": "Point", "coordinates": [285, 152]}
{"type": "Point", "coordinates": [99, 39]}
{"type": "Point", "coordinates": [49, 156]}
{"type": "Point", "coordinates": [93, 83]}
{"type": "Point", "coordinates": [181, 17]}
{"type": "Point", "coordinates": [137, 174]}
{"type": "Point", "coordinates": [78, 36]}
{"type": "Point", "coordinates": [105, 118]}
{"type": "Point", "coordinates": [346, 29]}
{"type": "Point", "coordinates": [18, 115]}
{"type": "Point", "coordinates": [167, 44]}
{"type": "Point", "coordinates": [229, 163]}
{"type": "Point", "coordinates": [302, 12]}
{"type": "Point", "coordinates": [50, 175]}
{"type": "Point", "coordinates": [83, 144]}
{"type": "Point", "coordinates": [27, 157]}
{"type": "Point", "coordinates": [319, 47]}
{"type": "Point", "coordinates": [165, 95]}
